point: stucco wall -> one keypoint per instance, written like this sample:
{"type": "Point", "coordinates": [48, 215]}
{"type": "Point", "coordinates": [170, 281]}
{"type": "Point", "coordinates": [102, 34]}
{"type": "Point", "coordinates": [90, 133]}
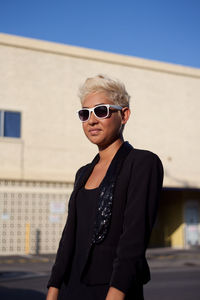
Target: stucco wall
{"type": "Point", "coordinates": [41, 80]}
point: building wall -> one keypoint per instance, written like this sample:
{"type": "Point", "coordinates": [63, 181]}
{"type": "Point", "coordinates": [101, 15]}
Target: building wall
{"type": "Point", "coordinates": [41, 79]}
{"type": "Point", "coordinates": [32, 216]}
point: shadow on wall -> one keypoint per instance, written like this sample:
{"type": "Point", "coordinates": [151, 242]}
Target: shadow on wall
{"type": "Point", "coordinates": [169, 219]}
{"type": "Point", "coordinates": [20, 294]}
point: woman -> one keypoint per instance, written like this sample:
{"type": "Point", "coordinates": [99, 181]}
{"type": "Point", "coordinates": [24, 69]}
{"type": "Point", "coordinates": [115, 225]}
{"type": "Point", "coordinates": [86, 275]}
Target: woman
{"type": "Point", "coordinates": [112, 209]}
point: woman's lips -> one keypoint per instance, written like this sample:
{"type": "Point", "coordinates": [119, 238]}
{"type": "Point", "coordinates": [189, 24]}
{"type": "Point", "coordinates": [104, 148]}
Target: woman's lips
{"type": "Point", "coordinates": [94, 131]}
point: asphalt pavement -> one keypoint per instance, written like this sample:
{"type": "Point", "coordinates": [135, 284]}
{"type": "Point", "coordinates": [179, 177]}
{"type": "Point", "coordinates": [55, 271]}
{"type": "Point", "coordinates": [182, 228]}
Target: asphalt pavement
{"type": "Point", "coordinates": [165, 258]}
{"type": "Point", "coordinates": [175, 275]}
{"type": "Point", "coordinates": [28, 266]}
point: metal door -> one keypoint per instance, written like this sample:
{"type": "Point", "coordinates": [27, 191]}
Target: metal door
{"type": "Point", "coordinates": [192, 224]}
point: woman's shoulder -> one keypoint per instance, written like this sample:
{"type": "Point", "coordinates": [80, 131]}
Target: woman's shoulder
{"type": "Point", "coordinates": [143, 156]}
{"type": "Point", "coordinates": [81, 171]}
{"type": "Point", "coordinates": [143, 153]}
{"type": "Point", "coordinates": [142, 161]}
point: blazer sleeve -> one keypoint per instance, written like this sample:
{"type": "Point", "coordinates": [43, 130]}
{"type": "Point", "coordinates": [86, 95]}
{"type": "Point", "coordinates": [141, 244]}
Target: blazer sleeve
{"type": "Point", "coordinates": [62, 265]}
{"type": "Point", "coordinates": [139, 216]}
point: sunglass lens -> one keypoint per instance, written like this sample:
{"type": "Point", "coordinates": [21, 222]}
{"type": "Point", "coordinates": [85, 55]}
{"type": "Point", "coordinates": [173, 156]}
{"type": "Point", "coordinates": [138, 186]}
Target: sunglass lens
{"type": "Point", "coordinates": [83, 114]}
{"type": "Point", "coordinates": [101, 111]}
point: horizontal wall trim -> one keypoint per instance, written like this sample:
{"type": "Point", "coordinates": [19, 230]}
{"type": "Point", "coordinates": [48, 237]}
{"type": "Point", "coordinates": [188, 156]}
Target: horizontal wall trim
{"type": "Point", "coordinates": [95, 55]}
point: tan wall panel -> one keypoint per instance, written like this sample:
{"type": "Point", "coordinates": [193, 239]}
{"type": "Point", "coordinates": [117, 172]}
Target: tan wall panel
{"type": "Point", "coordinates": [44, 85]}
{"type": "Point", "coordinates": [11, 158]}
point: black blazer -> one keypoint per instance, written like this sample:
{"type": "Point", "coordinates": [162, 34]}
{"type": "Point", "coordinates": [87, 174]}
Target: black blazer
{"type": "Point", "coordinates": [119, 260]}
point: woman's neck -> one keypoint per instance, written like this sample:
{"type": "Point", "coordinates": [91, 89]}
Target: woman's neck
{"type": "Point", "coordinates": [106, 154]}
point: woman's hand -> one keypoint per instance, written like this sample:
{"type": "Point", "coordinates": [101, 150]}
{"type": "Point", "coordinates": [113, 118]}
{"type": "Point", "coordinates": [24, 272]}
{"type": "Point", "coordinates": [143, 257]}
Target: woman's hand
{"type": "Point", "coordinates": [52, 293]}
{"type": "Point", "coordinates": [115, 294]}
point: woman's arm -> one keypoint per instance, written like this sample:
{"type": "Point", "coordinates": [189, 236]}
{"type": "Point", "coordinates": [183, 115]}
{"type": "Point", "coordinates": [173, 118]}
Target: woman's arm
{"type": "Point", "coordinates": [62, 265]}
{"type": "Point", "coordinates": [52, 293]}
{"type": "Point", "coordinates": [139, 216]}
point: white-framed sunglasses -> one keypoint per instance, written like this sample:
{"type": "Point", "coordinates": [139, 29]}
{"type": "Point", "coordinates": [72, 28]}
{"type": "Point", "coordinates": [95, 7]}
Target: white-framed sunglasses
{"type": "Point", "coordinates": [101, 111]}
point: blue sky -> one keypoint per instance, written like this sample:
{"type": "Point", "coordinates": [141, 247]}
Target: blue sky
{"type": "Point", "coordinates": [154, 29]}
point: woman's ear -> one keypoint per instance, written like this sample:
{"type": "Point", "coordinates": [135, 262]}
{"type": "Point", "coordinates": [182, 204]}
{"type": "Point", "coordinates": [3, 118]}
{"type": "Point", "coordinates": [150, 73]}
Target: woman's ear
{"type": "Point", "coordinates": [125, 112]}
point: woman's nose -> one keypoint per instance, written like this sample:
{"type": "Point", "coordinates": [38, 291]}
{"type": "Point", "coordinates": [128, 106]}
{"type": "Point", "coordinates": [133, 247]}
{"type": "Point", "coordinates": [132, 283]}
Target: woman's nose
{"type": "Point", "coordinates": [92, 118]}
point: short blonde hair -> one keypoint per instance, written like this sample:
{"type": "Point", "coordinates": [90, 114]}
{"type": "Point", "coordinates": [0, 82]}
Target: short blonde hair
{"type": "Point", "coordinates": [114, 89]}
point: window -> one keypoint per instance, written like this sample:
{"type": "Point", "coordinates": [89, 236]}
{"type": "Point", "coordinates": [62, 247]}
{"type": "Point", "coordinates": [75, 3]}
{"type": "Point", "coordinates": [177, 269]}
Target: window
{"type": "Point", "coordinates": [10, 124]}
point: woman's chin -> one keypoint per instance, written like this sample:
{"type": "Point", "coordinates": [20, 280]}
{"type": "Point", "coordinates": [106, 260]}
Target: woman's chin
{"type": "Point", "coordinates": [102, 142]}
{"type": "Point", "coordinates": [96, 140]}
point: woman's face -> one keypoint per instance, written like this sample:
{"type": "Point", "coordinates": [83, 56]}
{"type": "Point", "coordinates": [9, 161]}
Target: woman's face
{"type": "Point", "coordinates": [102, 132]}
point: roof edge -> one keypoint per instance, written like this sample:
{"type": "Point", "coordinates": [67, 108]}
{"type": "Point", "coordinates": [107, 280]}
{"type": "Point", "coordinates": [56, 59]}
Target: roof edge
{"type": "Point", "coordinates": [90, 54]}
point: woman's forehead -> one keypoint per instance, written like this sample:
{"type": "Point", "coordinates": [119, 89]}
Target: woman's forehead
{"type": "Point", "coordinates": [96, 99]}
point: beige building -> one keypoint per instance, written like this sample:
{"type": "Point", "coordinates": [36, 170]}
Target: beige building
{"type": "Point", "coordinates": [42, 143]}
